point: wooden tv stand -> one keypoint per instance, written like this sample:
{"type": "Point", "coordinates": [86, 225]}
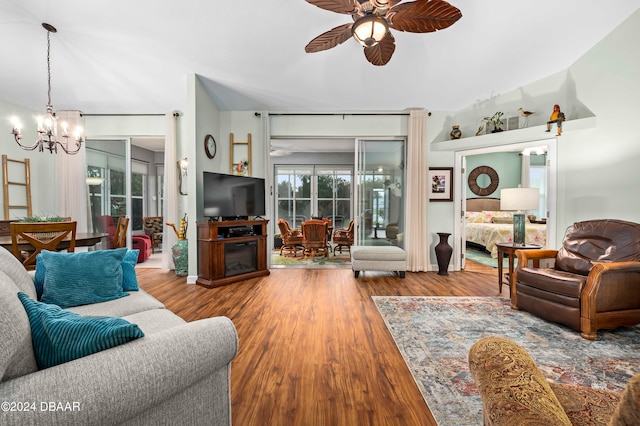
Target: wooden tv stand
{"type": "Point", "coordinates": [230, 251]}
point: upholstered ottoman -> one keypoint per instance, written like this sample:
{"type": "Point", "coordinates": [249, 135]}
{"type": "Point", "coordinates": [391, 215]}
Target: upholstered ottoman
{"type": "Point", "coordinates": [378, 258]}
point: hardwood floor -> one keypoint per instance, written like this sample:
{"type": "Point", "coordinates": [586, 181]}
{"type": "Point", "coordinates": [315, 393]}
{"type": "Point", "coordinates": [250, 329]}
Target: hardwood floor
{"type": "Point", "coordinates": [313, 349]}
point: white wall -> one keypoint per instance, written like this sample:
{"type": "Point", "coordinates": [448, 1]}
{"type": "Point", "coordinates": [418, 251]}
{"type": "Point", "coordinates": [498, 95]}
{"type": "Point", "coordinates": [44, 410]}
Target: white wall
{"type": "Point", "coordinates": [598, 169]}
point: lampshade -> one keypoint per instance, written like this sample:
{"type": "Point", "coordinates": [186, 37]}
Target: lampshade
{"type": "Point", "coordinates": [519, 198]}
{"type": "Point", "coordinates": [369, 30]}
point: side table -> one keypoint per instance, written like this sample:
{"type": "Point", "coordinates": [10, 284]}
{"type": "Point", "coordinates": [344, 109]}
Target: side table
{"type": "Point", "coordinates": [509, 249]}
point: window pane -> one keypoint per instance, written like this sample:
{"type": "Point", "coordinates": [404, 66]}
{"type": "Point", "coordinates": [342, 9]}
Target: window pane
{"type": "Point", "coordinates": [116, 182]}
{"type": "Point", "coordinates": [118, 207]}
{"type": "Point", "coordinates": [137, 182]}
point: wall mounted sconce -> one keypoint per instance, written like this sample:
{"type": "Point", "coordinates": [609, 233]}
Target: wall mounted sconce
{"type": "Point", "coordinates": [182, 173]}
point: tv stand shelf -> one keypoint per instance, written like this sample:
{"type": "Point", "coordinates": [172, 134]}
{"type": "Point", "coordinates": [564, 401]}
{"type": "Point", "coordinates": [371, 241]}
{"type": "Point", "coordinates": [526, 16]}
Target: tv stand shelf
{"type": "Point", "coordinates": [230, 251]}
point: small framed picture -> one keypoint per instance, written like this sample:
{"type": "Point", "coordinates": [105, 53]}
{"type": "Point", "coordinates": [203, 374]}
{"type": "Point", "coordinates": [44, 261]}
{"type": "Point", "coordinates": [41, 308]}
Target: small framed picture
{"type": "Point", "coordinates": [441, 179]}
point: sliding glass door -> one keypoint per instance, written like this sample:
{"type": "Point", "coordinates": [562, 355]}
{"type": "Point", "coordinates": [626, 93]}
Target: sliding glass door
{"type": "Point", "coordinates": [303, 192]}
{"type": "Point", "coordinates": [380, 193]}
{"type": "Point", "coordinates": [293, 194]}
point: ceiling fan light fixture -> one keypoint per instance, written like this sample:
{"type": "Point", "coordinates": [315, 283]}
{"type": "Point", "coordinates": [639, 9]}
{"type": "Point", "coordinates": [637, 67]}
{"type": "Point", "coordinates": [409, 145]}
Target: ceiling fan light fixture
{"type": "Point", "coordinates": [370, 30]}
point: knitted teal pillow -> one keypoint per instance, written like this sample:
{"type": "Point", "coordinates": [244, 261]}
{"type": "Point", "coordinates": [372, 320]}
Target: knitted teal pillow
{"type": "Point", "coordinates": [82, 278]}
{"type": "Point", "coordinates": [129, 278]}
{"type": "Point", "coordinates": [60, 336]}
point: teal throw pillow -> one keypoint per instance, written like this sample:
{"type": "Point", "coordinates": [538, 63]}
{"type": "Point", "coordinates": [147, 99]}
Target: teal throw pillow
{"type": "Point", "coordinates": [82, 278]}
{"type": "Point", "coordinates": [129, 278]}
{"type": "Point", "coordinates": [60, 336]}
{"type": "Point", "coordinates": [38, 278]}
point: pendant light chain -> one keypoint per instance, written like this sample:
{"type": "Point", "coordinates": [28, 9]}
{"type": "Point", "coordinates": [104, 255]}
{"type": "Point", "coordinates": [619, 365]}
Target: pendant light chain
{"type": "Point", "coordinates": [49, 66]}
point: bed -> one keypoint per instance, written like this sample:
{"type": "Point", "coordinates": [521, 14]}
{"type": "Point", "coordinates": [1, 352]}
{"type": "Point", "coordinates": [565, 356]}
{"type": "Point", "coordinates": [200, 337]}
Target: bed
{"type": "Point", "coordinates": [487, 225]}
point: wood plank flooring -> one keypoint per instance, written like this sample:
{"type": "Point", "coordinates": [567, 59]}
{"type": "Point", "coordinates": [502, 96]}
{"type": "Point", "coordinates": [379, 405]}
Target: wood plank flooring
{"type": "Point", "coordinates": [313, 349]}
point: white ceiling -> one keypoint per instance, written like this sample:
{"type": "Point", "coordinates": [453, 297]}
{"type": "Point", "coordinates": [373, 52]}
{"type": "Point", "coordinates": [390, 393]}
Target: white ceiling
{"type": "Point", "coordinates": [133, 57]}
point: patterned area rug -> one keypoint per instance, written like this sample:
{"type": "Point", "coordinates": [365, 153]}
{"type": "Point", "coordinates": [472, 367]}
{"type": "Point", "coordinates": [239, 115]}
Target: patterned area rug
{"type": "Point", "coordinates": [331, 261]}
{"type": "Point", "coordinates": [434, 335]}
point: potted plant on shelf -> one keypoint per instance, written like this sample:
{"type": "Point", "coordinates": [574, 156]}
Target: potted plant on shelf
{"type": "Point", "coordinates": [496, 121]}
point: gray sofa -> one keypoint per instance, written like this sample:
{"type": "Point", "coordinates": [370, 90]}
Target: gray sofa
{"type": "Point", "coordinates": [178, 373]}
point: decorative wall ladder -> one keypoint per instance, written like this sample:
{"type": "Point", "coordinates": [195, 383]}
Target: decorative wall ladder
{"type": "Point", "coordinates": [235, 166]}
{"type": "Point", "coordinates": [23, 183]}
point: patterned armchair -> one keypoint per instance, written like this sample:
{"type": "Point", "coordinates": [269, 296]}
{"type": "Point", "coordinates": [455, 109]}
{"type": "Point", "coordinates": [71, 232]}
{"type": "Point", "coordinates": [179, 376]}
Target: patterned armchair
{"type": "Point", "coordinates": [291, 238]}
{"type": "Point", "coordinates": [153, 227]}
{"type": "Point", "coordinates": [514, 391]}
{"type": "Point", "coordinates": [343, 238]}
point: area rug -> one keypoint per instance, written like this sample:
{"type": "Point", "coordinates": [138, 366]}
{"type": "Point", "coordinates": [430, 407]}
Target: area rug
{"type": "Point", "coordinates": [485, 258]}
{"type": "Point", "coordinates": [434, 335]}
{"type": "Point", "coordinates": [331, 261]}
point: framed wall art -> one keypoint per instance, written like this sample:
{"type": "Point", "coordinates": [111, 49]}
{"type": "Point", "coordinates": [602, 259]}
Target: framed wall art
{"type": "Point", "coordinates": [441, 179]}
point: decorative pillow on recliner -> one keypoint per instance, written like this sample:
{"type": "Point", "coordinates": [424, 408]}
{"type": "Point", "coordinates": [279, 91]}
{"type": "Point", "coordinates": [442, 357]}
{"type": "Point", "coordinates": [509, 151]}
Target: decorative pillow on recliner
{"type": "Point", "coordinates": [60, 336]}
{"type": "Point", "coordinates": [74, 279]}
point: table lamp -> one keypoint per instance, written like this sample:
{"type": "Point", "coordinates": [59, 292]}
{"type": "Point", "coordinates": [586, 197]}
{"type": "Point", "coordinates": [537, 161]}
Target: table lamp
{"type": "Point", "coordinates": [519, 199]}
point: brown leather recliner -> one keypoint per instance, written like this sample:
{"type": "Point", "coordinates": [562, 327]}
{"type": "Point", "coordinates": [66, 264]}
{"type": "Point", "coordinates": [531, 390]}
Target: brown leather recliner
{"type": "Point", "coordinates": [595, 282]}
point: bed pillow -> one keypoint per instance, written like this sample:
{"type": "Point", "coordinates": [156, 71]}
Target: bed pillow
{"type": "Point", "coordinates": [488, 215]}
{"type": "Point", "coordinates": [60, 336]}
{"type": "Point", "coordinates": [474, 217]}
{"type": "Point", "coordinates": [502, 220]}
{"type": "Point", "coordinates": [74, 279]}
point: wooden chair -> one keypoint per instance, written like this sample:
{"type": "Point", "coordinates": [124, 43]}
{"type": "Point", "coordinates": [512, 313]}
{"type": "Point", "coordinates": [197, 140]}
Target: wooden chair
{"type": "Point", "coordinates": [314, 237]}
{"type": "Point", "coordinates": [41, 236]}
{"type": "Point", "coordinates": [120, 239]}
{"type": "Point", "coordinates": [343, 238]}
{"type": "Point", "coordinates": [291, 239]}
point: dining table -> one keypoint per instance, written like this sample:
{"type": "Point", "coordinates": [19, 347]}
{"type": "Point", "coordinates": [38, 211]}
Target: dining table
{"type": "Point", "coordinates": [83, 239]}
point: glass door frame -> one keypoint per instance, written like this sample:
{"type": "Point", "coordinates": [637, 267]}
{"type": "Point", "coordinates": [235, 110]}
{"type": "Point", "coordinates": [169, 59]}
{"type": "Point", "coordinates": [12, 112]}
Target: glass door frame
{"type": "Point", "coordinates": [360, 162]}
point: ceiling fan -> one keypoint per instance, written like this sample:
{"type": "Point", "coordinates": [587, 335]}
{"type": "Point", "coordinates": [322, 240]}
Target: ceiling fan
{"type": "Point", "coordinates": [373, 18]}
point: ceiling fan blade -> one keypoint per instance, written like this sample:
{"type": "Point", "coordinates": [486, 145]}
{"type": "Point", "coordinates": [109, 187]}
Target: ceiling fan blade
{"type": "Point", "coordinates": [347, 7]}
{"type": "Point", "coordinates": [381, 53]}
{"type": "Point", "coordinates": [331, 38]}
{"type": "Point", "coordinates": [423, 16]}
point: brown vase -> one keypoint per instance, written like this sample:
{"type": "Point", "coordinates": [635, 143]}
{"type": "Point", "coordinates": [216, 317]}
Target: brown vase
{"type": "Point", "coordinates": [443, 253]}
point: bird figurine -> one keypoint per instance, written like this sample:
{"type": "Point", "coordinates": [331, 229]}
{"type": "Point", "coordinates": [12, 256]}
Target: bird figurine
{"type": "Point", "coordinates": [526, 115]}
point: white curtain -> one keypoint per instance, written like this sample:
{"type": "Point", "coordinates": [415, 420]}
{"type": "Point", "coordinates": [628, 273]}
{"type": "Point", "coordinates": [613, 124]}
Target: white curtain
{"type": "Point", "coordinates": [170, 190]}
{"type": "Point", "coordinates": [72, 199]}
{"type": "Point", "coordinates": [525, 178]}
{"type": "Point", "coordinates": [416, 232]}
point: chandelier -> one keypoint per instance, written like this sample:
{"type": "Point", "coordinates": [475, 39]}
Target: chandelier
{"type": "Point", "coordinates": [48, 123]}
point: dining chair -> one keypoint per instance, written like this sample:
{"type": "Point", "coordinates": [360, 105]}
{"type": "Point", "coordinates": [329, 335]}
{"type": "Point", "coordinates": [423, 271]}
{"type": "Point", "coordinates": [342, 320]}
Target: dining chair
{"type": "Point", "coordinates": [291, 239]}
{"type": "Point", "coordinates": [314, 237]}
{"type": "Point", "coordinates": [41, 236]}
{"type": "Point", "coordinates": [120, 239]}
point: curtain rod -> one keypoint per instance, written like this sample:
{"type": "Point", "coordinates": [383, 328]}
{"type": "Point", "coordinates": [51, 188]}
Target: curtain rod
{"type": "Point", "coordinates": [124, 115]}
{"type": "Point", "coordinates": [338, 114]}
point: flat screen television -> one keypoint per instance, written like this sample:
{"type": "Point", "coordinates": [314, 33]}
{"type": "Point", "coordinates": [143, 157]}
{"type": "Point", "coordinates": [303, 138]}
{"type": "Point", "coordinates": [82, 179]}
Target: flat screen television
{"type": "Point", "coordinates": [232, 197]}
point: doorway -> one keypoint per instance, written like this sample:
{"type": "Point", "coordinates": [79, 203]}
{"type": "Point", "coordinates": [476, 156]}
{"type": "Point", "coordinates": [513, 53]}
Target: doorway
{"type": "Point", "coordinates": [543, 175]}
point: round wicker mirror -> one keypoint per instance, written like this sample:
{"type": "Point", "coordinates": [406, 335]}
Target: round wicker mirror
{"type": "Point", "coordinates": [477, 173]}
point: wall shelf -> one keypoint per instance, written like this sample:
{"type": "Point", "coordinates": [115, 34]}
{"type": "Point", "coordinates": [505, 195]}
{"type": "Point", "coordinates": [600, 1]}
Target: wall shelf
{"type": "Point", "coordinates": [513, 136]}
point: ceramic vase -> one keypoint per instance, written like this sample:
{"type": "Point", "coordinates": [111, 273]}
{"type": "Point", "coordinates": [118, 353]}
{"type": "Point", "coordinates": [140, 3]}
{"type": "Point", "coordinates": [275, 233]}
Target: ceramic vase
{"type": "Point", "coordinates": [443, 253]}
{"type": "Point", "coordinates": [456, 133]}
{"type": "Point", "coordinates": [180, 254]}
